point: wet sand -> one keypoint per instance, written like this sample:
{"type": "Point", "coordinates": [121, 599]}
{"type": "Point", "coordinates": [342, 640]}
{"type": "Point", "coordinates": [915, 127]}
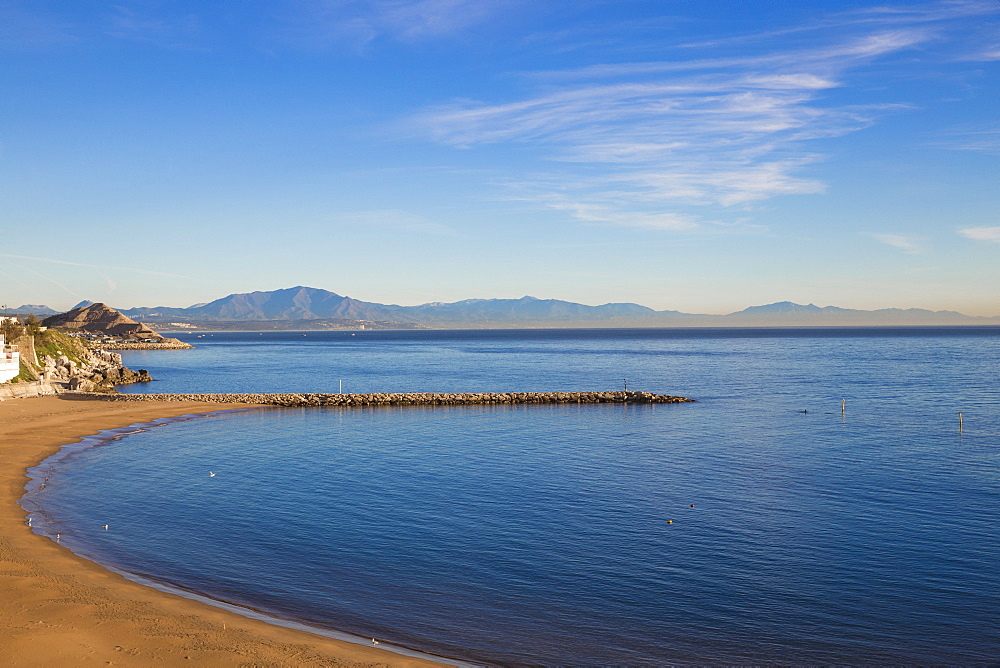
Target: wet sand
{"type": "Point", "coordinates": [57, 609]}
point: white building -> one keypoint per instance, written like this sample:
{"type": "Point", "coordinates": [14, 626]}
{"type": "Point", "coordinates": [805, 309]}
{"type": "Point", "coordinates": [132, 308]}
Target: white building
{"type": "Point", "coordinates": [10, 361]}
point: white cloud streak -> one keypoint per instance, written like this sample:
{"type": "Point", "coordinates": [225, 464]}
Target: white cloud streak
{"type": "Point", "coordinates": [904, 243]}
{"type": "Point", "coordinates": [649, 140]}
{"type": "Point", "coordinates": [825, 59]}
{"type": "Point", "coordinates": [45, 277]}
{"type": "Point", "coordinates": [697, 138]}
{"type": "Point", "coordinates": [16, 280]}
{"type": "Point", "coordinates": [596, 213]}
{"type": "Point", "coordinates": [93, 266]}
{"type": "Point", "coordinates": [980, 140]}
{"type": "Point", "coordinates": [981, 233]}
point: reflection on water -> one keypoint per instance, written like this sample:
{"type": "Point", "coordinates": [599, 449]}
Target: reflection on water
{"type": "Point", "coordinates": [757, 525]}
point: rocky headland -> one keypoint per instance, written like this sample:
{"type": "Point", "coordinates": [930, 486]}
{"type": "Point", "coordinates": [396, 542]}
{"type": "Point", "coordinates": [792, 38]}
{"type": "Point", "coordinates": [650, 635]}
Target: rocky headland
{"type": "Point", "coordinates": [72, 351]}
{"type": "Point", "coordinates": [111, 330]}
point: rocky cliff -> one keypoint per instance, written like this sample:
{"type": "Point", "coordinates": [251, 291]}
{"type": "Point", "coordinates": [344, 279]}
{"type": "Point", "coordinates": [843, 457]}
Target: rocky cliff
{"type": "Point", "coordinates": [98, 371]}
{"type": "Point", "coordinates": [66, 361]}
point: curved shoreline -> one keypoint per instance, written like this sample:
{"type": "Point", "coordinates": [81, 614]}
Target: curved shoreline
{"type": "Point", "coordinates": [57, 608]}
{"type": "Point", "coordinates": [38, 476]}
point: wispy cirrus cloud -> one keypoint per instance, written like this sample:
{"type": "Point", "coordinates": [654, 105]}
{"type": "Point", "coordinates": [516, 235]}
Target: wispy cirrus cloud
{"type": "Point", "coordinates": [43, 278]}
{"type": "Point", "coordinates": [820, 58]}
{"type": "Point", "coordinates": [702, 135]}
{"type": "Point", "coordinates": [72, 263]}
{"type": "Point", "coordinates": [652, 138]}
{"type": "Point", "coordinates": [979, 140]}
{"type": "Point", "coordinates": [981, 233]}
{"type": "Point", "coordinates": [614, 215]}
{"type": "Point", "coordinates": [903, 242]}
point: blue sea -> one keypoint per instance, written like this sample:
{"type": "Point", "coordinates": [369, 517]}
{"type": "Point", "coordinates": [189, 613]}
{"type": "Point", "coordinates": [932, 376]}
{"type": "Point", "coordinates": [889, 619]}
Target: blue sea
{"type": "Point", "coordinates": [818, 504]}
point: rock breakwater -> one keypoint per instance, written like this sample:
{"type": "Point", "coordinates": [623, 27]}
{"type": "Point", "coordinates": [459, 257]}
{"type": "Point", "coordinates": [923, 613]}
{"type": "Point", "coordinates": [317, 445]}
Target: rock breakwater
{"type": "Point", "coordinates": [165, 344]}
{"type": "Point", "coordinates": [412, 398]}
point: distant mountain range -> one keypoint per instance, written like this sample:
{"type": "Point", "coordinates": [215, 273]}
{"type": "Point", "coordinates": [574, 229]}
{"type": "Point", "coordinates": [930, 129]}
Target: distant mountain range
{"type": "Point", "coordinates": [313, 308]}
{"type": "Point", "coordinates": [25, 309]}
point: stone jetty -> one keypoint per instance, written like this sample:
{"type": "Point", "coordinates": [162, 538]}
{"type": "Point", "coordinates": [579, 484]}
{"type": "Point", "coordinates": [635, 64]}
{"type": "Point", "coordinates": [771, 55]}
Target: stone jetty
{"type": "Point", "coordinates": [410, 398]}
{"type": "Point", "coordinates": [163, 344]}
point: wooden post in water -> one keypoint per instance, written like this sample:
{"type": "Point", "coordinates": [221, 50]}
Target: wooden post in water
{"type": "Point", "coordinates": [843, 407]}
{"type": "Point", "coordinates": [960, 422]}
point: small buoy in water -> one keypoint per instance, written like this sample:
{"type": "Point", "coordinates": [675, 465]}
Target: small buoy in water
{"type": "Point", "coordinates": [670, 521]}
{"type": "Point", "coordinates": [692, 505]}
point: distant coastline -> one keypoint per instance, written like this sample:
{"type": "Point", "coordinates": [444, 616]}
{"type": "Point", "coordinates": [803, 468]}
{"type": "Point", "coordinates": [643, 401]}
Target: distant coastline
{"type": "Point", "coordinates": [311, 309]}
{"type": "Point", "coordinates": [249, 328]}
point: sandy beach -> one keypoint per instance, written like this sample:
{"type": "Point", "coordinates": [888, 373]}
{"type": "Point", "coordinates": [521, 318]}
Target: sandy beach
{"type": "Point", "coordinates": [57, 609]}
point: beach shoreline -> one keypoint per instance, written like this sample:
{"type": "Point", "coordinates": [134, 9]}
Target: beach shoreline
{"type": "Point", "coordinates": [57, 608]}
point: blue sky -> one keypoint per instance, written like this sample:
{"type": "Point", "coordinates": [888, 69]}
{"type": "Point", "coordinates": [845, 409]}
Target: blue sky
{"type": "Point", "coordinates": [700, 155]}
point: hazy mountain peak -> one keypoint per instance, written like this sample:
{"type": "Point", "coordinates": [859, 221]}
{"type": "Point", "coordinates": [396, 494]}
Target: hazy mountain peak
{"type": "Point", "coordinates": [301, 304]}
{"type": "Point", "coordinates": [37, 309]}
{"type": "Point", "coordinates": [787, 307]}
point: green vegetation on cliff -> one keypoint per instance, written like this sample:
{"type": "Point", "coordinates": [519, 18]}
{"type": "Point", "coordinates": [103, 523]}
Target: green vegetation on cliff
{"type": "Point", "coordinates": [49, 342]}
{"type": "Point", "coordinates": [54, 344]}
{"type": "Point", "coordinates": [26, 374]}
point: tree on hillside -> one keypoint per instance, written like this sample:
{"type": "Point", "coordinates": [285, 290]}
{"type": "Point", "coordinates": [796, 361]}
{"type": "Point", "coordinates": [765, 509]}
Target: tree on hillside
{"type": "Point", "coordinates": [11, 329]}
{"type": "Point", "coordinates": [33, 325]}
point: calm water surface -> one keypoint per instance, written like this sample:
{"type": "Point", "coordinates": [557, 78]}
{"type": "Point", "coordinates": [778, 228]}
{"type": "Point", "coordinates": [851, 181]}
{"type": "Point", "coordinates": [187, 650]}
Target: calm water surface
{"type": "Point", "coordinates": [540, 535]}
